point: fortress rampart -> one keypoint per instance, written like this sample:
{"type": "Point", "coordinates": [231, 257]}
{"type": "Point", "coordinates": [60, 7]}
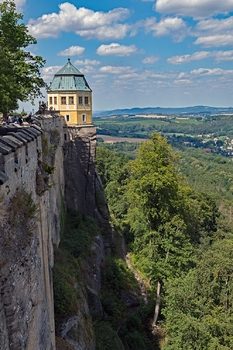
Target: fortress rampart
{"type": "Point", "coordinates": [42, 166]}
{"type": "Point", "coordinates": [26, 245]}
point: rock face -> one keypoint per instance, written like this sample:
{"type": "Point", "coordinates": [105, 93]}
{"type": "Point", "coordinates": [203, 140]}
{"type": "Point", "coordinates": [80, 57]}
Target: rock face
{"type": "Point", "coordinates": [79, 160]}
{"type": "Point", "coordinates": [83, 190]}
{"type": "Point", "coordinates": [83, 187]}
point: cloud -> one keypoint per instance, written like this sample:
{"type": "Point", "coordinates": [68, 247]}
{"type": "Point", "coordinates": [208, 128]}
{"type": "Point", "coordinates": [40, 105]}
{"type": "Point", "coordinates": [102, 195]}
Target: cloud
{"type": "Point", "coordinates": [86, 62]}
{"type": "Point", "coordinates": [116, 50]}
{"type": "Point", "coordinates": [194, 8]}
{"type": "Point", "coordinates": [200, 55]}
{"type": "Point", "coordinates": [188, 58]}
{"type": "Point", "coordinates": [72, 51]}
{"type": "Point", "coordinates": [183, 81]}
{"type": "Point", "coordinates": [223, 55]}
{"type": "Point", "coordinates": [19, 3]}
{"type": "Point", "coordinates": [47, 73]}
{"type": "Point", "coordinates": [82, 21]}
{"type": "Point", "coordinates": [117, 69]}
{"type": "Point", "coordinates": [117, 31]}
{"type": "Point", "coordinates": [214, 25]}
{"type": "Point", "coordinates": [89, 66]}
{"type": "Point", "coordinates": [214, 32]}
{"type": "Point", "coordinates": [150, 59]}
{"type": "Point", "coordinates": [215, 40]}
{"type": "Point", "coordinates": [173, 26]}
{"type": "Point", "coordinates": [210, 72]}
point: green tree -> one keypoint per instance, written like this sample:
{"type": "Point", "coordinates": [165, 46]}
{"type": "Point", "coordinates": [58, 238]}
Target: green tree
{"type": "Point", "coordinates": [20, 77]}
{"type": "Point", "coordinates": [199, 304]}
{"type": "Point", "coordinates": [156, 214]}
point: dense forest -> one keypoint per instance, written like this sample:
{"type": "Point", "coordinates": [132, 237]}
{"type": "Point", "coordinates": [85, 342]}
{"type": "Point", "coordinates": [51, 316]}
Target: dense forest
{"type": "Point", "coordinates": [174, 210]}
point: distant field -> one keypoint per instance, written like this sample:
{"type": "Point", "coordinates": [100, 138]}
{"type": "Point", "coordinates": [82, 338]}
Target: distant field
{"type": "Point", "coordinates": [115, 139]}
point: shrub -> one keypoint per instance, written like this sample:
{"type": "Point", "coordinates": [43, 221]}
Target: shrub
{"type": "Point", "coordinates": [22, 209]}
{"type": "Point", "coordinates": [65, 277]}
{"type": "Point", "coordinates": [79, 234]}
{"type": "Point", "coordinates": [106, 338]}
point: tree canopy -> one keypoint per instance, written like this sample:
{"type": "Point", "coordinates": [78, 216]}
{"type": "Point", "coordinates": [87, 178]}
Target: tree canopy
{"type": "Point", "coordinates": [179, 240]}
{"type": "Point", "coordinates": [20, 77]}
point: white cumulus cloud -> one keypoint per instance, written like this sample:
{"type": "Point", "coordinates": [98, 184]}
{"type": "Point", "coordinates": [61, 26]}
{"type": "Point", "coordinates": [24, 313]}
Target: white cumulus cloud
{"type": "Point", "coordinates": [19, 4]}
{"type": "Point", "coordinates": [194, 8]}
{"type": "Point", "coordinates": [84, 22]}
{"type": "Point", "coordinates": [173, 26]}
{"type": "Point", "coordinates": [188, 58]}
{"type": "Point", "coordinates": [215, 25]}
{"type": "Point", "coordinates": [87, 62]}
{"type": "Point", "coordinates": [48, 72]}
{"type": "Point", "coordinates": [116, 50]}
{"type": "Point", "coordinates": [200, 55]}
{"type": "Point", "coordinates": [210, 72]}
{"type": "Point", "coordinates": [214, 32]}
{"type": "Point", "coordinates": [150, 59]}
{"type": "Point", "coordinates": [117, 69]}
{"type": "Point", "coordinates": [72, 51]}
{"type": "Point", "coordinates": [215, 40]}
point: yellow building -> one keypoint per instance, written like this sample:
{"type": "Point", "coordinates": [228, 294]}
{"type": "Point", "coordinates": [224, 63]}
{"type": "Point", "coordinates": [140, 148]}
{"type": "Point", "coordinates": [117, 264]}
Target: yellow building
{"type": "Point", "coordinates": [70, 94]}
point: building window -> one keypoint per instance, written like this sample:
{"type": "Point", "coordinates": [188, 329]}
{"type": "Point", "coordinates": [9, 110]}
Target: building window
{"type": "Point", "coordinates": [71, 100]}
{"type": "Point", "coordinates": [80, 100]}
{"type": "Point", "coordinates": [86, 100]}
{"type": "Point", "coordinates": [63, 100]}
{"type": "Point", "coordinates": [67, 117]}
{"type": "Point", "coordinates": [55, 100]}
{"type": "Point", "coordinates": [51, 100]}
{"type": "Point", "coordinates": [84, 118]}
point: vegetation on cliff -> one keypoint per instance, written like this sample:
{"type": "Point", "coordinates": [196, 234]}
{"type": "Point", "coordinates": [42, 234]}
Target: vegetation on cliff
{"type": "Point", "coordinates": [75, 244]}
{"type": "Point", "coordinates": [178, 240]}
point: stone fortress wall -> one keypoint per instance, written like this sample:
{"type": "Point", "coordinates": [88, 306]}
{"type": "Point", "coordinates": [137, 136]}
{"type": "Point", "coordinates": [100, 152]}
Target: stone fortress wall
{"type": "Point", "coordinates": [26, 258]}
{"type": "Point", "coordinates": [53, 164]}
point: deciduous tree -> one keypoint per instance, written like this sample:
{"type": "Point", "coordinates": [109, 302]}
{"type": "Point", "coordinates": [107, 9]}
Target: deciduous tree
{"type": "Point", "coordinates": [20, 77]}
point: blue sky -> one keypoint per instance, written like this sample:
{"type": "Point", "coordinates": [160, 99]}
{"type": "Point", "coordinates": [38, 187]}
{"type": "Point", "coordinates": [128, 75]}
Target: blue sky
{"type": "Point", "coordinates": [135, 53]}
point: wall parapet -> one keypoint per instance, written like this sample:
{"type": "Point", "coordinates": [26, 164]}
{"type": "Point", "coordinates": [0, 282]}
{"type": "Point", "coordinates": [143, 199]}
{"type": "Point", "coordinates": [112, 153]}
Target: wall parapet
{"type": "Point", "coordinates": [15, 148]}
{"type": "Point", "coordinates": [20, 144]}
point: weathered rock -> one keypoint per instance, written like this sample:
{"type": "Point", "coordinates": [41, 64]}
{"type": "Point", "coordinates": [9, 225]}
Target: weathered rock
{"type": "Point", "coordinates": [77, 330]}
{"type": "Point", "coordinates": [129, 300]}
{"type": "Point", "coordinates": [94, 302]}
{"type": "Point", "coordinates": [79, 157]}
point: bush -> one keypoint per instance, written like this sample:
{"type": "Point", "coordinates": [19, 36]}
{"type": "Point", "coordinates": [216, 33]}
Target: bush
{"type": "Point", "coordinates": [22, 209]}
{"type": "Point", "coordinates": [65, 277]}
{"type": "Point", "coordinates": [78, 234]}
{"type": "Point", "coordinates": [106, 338]}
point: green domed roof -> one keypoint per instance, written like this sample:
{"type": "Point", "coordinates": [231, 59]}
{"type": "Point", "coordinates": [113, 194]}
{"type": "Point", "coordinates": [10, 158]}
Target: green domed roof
{"type": "Point", "coordinates": [69, 78]}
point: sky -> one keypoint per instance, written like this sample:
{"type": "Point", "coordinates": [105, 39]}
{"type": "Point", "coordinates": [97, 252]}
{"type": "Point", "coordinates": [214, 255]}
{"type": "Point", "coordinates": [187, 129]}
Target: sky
{"type": "Point", "coordinates": [139, 53]}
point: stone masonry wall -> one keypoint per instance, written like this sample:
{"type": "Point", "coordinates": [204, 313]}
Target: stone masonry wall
{"type": "Point", "coordinates": [26, 253]}
{"type": "Point", "coordinates": [48, 163]}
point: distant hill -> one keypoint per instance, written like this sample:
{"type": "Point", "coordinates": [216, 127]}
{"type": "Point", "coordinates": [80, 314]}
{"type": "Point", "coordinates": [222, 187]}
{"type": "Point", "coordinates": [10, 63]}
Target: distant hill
{"type": "Point", "coordinates": [159, 110]}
